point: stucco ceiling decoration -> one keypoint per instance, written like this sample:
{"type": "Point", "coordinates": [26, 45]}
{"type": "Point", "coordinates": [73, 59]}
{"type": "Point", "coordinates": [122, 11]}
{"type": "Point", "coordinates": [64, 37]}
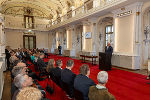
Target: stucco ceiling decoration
{"type": "Point", "coordinates": [23, 11]}
{"type": "Point", "coordinates": [48, 8]}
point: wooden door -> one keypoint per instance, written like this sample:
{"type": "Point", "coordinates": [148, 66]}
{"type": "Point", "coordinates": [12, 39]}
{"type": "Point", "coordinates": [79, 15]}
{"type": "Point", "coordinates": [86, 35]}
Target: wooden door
{"type": "Point", "coordinates": [29, 42]}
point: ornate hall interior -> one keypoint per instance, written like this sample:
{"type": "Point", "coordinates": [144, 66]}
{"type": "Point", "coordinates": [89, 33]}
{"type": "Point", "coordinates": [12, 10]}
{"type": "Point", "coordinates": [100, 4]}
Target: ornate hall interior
{"type": "Point", "coordinates": [81, 27]}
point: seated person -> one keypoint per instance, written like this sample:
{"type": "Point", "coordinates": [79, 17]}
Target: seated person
{"type": "Point", "coordinates": [28, 71]}
{"type": "Point", "coordinates": [21, 81]}
{"type": "Point", "coordinates": [21, 69]}
{"type": "Point", "coordinates": [40, 61]}
{"type": "Point", "coordinates": [32, 57]}
{"type": "Point", "coordinates": [82, 81]}
{"type": "Point", "coordinates": [100, 92]}
{"type": "Point", "coordinates": [36, 57]}
{"type": "Point", "coordinates": [57, 71]}
{"type": "Point", "coordinates": [17, 70]}
{"type": "Point", "coordinates": [67, 76]}
{"type": "Point", "coordinates": [50, 66]}
{"type": "Point", "coordinates": [29, 93]}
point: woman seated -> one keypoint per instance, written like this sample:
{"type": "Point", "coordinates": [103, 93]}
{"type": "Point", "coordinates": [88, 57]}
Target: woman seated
{"type": "Point", "coordinates": [50, 66]}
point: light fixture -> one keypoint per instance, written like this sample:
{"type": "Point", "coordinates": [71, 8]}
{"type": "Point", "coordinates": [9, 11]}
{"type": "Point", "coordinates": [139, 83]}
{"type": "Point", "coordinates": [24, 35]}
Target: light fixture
{"type": "Point", "coordinates": [29, 30]}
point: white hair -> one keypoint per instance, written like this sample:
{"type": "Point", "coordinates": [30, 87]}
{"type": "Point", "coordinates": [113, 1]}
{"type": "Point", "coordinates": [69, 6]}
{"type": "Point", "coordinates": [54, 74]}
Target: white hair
{"type": "Point", "coordinates": [19, 80]}
{"type": "Point", "coordinates": [102, 77]}
{"type": "Point", "coordinates": [17, 70]}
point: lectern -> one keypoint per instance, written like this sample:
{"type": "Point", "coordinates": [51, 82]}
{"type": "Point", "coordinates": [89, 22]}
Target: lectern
{"type": "Point", "coordinates": [105, 61]}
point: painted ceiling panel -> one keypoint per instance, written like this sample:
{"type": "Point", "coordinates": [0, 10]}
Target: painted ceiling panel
{"type": "Point", "coordinates": [45, 8]}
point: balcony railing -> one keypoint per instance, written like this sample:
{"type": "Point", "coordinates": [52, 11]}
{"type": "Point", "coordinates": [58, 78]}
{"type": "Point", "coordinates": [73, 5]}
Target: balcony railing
{"type": "Point", "coordinates": [20, 25]}
{"type": "Point", "coordinates": [82, 10]}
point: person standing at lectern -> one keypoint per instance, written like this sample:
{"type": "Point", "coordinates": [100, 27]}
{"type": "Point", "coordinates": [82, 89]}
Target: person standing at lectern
{"type": "Point", "coordinates": [59, 49]}
{"type": "Point", "coordinates": [109, 48]}
{"type": "Point", "coordinates": [109, 51]}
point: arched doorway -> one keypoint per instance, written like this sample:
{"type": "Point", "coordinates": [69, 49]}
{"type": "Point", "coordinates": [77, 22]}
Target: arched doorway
{"type": "Point", "coordinates": [105, 33]}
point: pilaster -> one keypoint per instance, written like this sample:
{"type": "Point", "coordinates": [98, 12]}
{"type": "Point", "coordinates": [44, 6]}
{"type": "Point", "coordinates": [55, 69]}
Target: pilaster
{"type": "Point", "coordinates": [94, 34]}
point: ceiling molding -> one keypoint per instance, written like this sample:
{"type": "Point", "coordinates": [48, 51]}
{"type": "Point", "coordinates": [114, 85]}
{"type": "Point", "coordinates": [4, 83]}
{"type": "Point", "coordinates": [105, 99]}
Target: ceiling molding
{"type": "Point", "coordinates": [49, 7]}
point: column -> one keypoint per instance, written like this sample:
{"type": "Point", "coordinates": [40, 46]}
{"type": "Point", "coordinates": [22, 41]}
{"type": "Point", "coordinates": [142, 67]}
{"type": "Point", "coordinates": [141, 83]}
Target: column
{"type": "Point", "coordinates": [2, 37]}
{"type": "Point", "coordinates": [86, 42]}
{"type": "Point", "coordinates": [94, 34]}
{"type": "Point", "coordinates": [73, 31]}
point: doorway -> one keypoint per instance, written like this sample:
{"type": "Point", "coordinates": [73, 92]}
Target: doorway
{"type": "Point", "coordinates": [29, 42]}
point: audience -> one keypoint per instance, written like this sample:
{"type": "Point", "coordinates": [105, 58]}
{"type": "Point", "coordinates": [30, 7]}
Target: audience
{"type": "Point", "coordinates": [29, 93]}
{"type": "Point", "coordinates": [82, 81]}
{"type": "Point", "coordinates": [67, 76]}
{"type": "Point", "coordinates": [100, 92]}
{"type": "Point", "coordinates": [21, 81]}
{"type": "Point", "coordinates": [22, 85]}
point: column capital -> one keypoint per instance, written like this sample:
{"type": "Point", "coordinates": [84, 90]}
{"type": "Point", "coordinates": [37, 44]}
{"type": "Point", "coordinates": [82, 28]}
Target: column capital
{"type": "Point", "coordinates": [93, 20]}
{"type": "Point", "coordinates": [71, 27]}
{"type": "Point", "coordinates": [86, 22]}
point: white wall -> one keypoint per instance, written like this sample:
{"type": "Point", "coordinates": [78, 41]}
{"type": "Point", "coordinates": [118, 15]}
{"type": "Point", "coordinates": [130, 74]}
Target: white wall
{"type": "Point", "coordinates": [124, 30]}
{"type": "Point", "coordinates": [14, 39]}
{"type": "Point", "coordinates": [87, 43]}
{"type": "Point", "coordinates": [41, 39]}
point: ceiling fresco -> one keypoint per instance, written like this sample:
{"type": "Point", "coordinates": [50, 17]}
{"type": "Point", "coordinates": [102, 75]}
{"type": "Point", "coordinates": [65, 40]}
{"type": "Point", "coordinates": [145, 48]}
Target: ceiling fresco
{"type": "Point", "coordinates": [40, 8]}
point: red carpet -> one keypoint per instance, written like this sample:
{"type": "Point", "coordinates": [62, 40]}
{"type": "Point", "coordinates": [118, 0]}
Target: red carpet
{"type": "Point", "coordinates": [123, 85]}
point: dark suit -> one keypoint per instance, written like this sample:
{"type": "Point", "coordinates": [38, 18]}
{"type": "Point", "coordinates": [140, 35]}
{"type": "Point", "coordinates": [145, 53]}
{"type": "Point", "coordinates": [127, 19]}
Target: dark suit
{"type": "Point", "coordinates": [67, 76]}
{"type": "Point", "coordinates": [41, 63]}
{"type": "Point", "coordinates": [7, 57]}
{"type": "Point", "coordinates": [57, 72]}
{"type": "Point", "coordinates": [13, 89]}
{"type": "Point", "coordinates": [59, 49]}
{"type": "Point", "coordinates": [15, 94]}
{"type": "Point", "coordinates": [109, 51]}
{"type": "Point", "coordinates": [82, 84]}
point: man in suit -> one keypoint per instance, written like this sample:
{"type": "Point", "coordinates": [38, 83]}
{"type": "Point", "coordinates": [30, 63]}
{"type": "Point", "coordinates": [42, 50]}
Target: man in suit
{"type": "Point", "coordinates": [59, 49]}
{"type": "Point", "coordinates": [57, 71]}
{"type": "Point", "coordinates": [100, 92]}
{"type": "Point", "coordinates": [108, 51]}
{"type": "Point", "coordinates": [82, 81]}
{"type": "Point", "coordinates": [67, 76]}
{"type": "Point", "coordinates": [7, 52]}
{"type": "Point", "coordinates": [109, 48]}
